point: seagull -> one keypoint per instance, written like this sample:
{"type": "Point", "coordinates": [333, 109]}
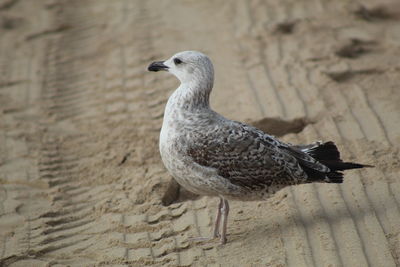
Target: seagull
{"type": "Point", "coordinates": [211, 155]}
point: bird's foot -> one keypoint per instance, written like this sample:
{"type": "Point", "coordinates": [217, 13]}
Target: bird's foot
{"type": "Point", "coordinates": [200, 239]}
{"type": "Point", "coordinates": [223, 240]}
{"type": "Point", "coordinates": [206, 239]}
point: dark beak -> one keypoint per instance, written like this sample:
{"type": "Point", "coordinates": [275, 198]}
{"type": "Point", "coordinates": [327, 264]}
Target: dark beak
{"type": "Point", "coordinates": [157, 65]}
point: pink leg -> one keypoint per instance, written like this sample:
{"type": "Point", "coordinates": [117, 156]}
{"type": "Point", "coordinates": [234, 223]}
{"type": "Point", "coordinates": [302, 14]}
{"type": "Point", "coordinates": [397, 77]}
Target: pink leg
{"type": "Point", "coordinates": [216, 224]}
{"type": "Point", "coordinates": [225, 212]}
{"type": "Point", "coordinates": [218, 218]}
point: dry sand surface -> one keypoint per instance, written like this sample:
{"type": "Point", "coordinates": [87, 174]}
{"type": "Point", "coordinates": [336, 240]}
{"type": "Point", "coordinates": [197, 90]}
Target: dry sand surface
{"type": "Point", "coordinates": [81, 180]}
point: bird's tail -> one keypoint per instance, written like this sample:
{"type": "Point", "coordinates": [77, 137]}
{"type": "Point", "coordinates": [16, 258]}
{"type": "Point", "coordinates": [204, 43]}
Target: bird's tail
{"type": "Point", "coordinates": [328, 154]}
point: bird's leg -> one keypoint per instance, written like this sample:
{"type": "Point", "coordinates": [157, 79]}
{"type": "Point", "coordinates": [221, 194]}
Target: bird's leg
{"type": "Point", "coordinates": [225, 212]}
{"type": "Point", "coordinates": [218, 218]}
{"type": "Point", "coordinates": [216, 224]}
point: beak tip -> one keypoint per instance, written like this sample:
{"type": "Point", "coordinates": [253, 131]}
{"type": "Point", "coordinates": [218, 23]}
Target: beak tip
{"type": "Point", "coordinates": [157, 66]}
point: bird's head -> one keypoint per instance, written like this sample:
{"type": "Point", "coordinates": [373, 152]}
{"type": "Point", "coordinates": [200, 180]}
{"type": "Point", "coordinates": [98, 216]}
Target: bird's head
{"type": "Point", "coordinates": [188, 67]}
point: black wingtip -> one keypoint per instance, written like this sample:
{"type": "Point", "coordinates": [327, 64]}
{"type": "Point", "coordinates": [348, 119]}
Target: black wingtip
{"type": "Point", "coordinates": [329, 155]}
{"type": "Point", "coordinates": [367, 166]}
{"type": "Point", "coordinates": [347, 165]}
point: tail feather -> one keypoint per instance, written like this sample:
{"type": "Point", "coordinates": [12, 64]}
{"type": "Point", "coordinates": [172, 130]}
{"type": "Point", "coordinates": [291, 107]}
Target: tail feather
{"type": "Point", "coordinates": [325, 151]}
{"type": "Point", "coordinates": [328, 154]}
{"type": "Point", "coordinates": [334, 177]}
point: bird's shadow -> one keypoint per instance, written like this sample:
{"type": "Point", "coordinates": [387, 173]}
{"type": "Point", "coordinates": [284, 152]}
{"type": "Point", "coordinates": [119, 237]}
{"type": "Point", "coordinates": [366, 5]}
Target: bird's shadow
{"type": "Point", "coordinates": [261, 231]}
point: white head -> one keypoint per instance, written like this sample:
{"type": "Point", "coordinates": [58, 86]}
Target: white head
{"type": "Point", "coordinates": [190, 67]}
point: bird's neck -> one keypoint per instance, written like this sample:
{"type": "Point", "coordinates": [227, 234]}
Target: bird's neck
{"type": "Point", "coordinates": [192, 96]}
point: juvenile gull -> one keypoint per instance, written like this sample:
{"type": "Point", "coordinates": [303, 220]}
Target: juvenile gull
{"type": "Point", "coordinates": [211, 155]}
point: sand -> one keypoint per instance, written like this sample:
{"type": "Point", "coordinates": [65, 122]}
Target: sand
{"type": "Point", "coordinates": [81, 180]}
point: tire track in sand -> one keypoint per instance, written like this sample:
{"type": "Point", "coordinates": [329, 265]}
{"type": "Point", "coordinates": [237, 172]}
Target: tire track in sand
{"type": "Point", "coordinates": [99, 177]}
{"type": "Point", "coordinates": [80, 220]}
{"type": "Point", "coordinates": [315, 237]}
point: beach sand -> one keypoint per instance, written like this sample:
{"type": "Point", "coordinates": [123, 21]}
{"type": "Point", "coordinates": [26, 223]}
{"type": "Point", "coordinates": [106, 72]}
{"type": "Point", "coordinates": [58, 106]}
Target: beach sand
{"type": "Point", "coordinates": [81, 179]}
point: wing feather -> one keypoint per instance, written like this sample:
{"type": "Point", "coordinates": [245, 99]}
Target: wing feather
{"type": "Point", "coordinates": [247, 156]}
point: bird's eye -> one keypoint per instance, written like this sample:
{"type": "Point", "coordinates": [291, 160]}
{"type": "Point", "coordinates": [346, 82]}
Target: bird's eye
{"type": "Point", "coordinates": [177, 61]}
